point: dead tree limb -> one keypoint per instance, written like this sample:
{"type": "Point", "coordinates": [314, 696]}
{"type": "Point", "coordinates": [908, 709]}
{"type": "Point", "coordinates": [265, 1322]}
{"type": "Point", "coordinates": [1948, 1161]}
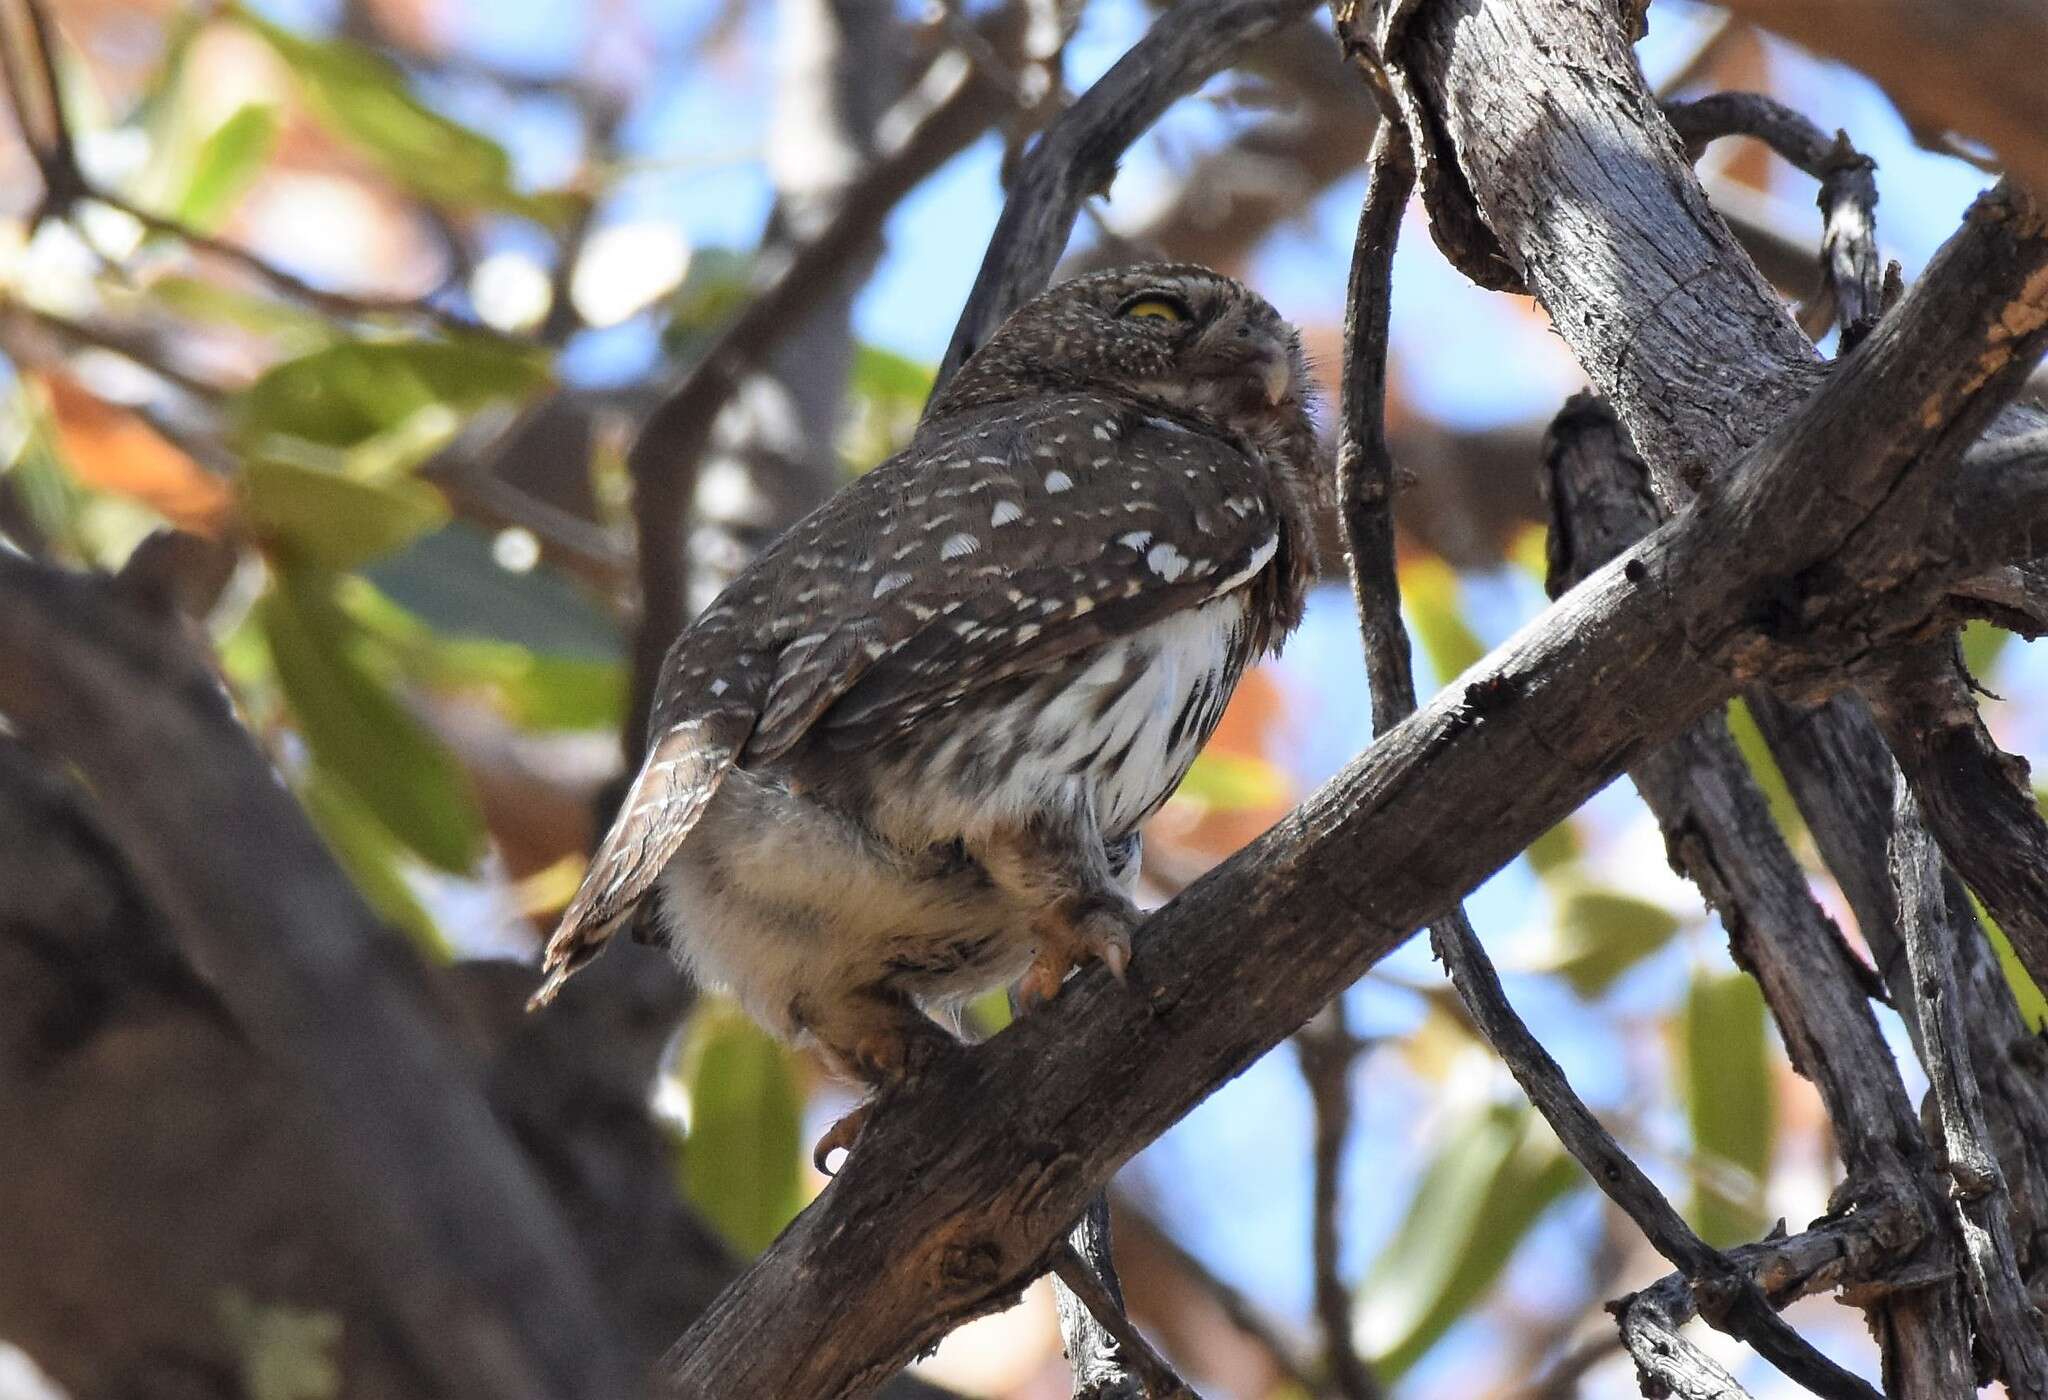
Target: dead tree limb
{"type": "Point", "coordinates": [2008, 1321]}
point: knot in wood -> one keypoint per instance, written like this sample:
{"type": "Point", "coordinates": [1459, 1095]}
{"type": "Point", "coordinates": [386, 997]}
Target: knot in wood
{"type": "Point", "coordinates": [976, 1263]}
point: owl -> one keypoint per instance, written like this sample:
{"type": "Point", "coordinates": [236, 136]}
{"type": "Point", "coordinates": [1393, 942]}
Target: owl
{"type": "Point", "coordinates": [904, 758]}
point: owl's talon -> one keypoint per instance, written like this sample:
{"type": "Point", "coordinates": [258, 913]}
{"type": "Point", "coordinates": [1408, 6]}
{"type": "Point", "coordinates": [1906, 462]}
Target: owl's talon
{"type": "Point", "coordinates": [1116, 956]}
{"type": "Point", "coordinates": [1041, 981]}
{"type": "Point", "coordinates": [841, 1135]}
{"type": "Point", "coordinates": [1102, 935]}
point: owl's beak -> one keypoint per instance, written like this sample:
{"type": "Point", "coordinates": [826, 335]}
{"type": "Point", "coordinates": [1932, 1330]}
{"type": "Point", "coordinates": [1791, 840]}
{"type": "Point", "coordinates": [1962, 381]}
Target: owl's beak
{"type": "Point", "coordinates": [1276, 373]}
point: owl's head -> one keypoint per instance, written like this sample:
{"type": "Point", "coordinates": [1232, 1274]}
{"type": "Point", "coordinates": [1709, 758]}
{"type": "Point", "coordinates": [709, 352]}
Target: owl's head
{"type": "Point", "coordinates": [1175, 335]}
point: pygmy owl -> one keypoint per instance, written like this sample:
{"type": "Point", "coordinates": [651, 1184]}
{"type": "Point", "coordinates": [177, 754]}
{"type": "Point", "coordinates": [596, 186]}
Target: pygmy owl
{"type": "Point", "coordinates": [905, 756]}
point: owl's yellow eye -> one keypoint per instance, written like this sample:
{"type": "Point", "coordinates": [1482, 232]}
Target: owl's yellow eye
{"type": "Point", "coordinates": [1154, 309]}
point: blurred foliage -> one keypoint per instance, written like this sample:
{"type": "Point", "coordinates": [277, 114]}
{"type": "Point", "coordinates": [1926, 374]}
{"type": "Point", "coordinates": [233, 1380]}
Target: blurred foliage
{"type": "Point", "coordinates": [365, 100]}
{"type": "Point", "coordinates": [1493, 1173]}
{"type": "Point", "coordinates": [286, 1353]}
{"type": "Point", "coordinates": [740, 1162]}
{"type": "Point", "coordinates": [1729, 1100]}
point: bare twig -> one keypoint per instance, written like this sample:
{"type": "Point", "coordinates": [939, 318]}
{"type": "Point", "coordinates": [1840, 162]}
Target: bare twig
{"type": "Point", "coordinates": [1327, 1050]}
{"type": "Point", "coordinates": [1853, 276]}
{"type": "Point", "coordinates": [2008, 1320]}
{"type": "Point", "coordinates": [1286, 1355]}
{"type": "Point", "coordinates": [1078, 154]}
{"type": "Point", "coordinates": [1147, 1366]}
{"type": "Point", "coordinates": [1091, 1332]}
{"type": "Point", "coordinates": [66, 184]}
{"type": "Point", "coordinates": [1965, 66]}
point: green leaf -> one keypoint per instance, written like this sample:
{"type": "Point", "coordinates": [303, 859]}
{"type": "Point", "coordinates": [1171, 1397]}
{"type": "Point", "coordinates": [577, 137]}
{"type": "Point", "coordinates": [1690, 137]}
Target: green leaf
{"type": "Point", "coordinates": [451, 581]}
{"type": "Point", "coordinates": [1555, 849]}
{"type": "Point", "coordinates": [1430, 589]}
{"type": "Point", "coordinates": [741, 1163]}
{"type": "Point", "coordinates": [294, 327]}
{"type": "Point", "coordinates": [1234, 782]}
{"type": "Point", "coordinates": [1494, 1173]}
{"type": "Point", "coordinates": [286, 1353]}
{"type": "Point", "coordinates": [886, 398]}
{"type": "Point", "coordinates": [1982, 644]}
{"type": "Point", "coordinates": [370, 856]}
{"type": "Point", "coordinates": [535, 690]}
{"type": "Point", "coordinates": [324, 518]}
{"type": "Point", "coordinates": [359, 732]}
{"type": "Point", "coordinates": [1764, 768]}
{"type": "Point", "coordinates": [1599, 935]}
{"type": "Point", "coordinates": [714, 288]}
{"type": "Point", "coordinates": [1729, 1099]}
{"type": "Point", "coordinates": [2032, 1004]}
{"type": "Point", "coordinates": [364, 99]}
{"type": "Point", "coordinates": [226, 163]}
{"type": "Point", "coordinates": [348, 394]}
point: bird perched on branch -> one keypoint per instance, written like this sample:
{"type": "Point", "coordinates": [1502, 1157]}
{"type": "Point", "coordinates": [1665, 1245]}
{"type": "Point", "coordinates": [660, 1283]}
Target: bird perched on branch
{"type": "Point", "coordinates": [905, 756]}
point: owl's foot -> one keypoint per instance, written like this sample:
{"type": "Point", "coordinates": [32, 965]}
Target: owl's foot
{"type": "Point", "coordinates": [879, 1039]}
{"type": "Point", "coordinates": [1099, 930]}
{"type": "Point", "coordinates": [841, 1136]}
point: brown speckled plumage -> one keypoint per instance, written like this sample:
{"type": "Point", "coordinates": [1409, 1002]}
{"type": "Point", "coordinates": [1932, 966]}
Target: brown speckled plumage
{"type": "Point", "coordinates": [912, 743]}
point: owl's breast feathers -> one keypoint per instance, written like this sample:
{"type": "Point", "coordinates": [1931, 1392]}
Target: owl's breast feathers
{"type": "Point", "coordinates": [1005, 544]}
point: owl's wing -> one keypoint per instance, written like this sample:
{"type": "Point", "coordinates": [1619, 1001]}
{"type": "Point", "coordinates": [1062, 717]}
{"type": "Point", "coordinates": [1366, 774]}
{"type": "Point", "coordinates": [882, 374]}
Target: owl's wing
{"type": "Point", "coordinates": [1066, 524]}
{"type": "Point", "coordinates": [695, 742]}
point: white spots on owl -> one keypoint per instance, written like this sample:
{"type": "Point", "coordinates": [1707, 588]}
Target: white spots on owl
{"type": "Point", "coordinates": [1261, 556]}
{"type": "Point", "coordinates": [1105, 432]}
{"type": "Point", "coordinates": [1240, 506]}
{"type": "Point", "coordinates": [719, 686]}
{"type": "Point", "coordinates": [1166, 561]}
{"type": "Point", "coordinates": [1057, 481]}
{"type": "Point", "coordinates": [1005, 513]}
{"type": "Point", "coordinates": [1137, 539]}
{"type": "Point", "coordinates": [957, 545]}
{"type": "Point", "coordinates": [889, 583]}
{"type": "Point", "coordinates": [1168, 425]}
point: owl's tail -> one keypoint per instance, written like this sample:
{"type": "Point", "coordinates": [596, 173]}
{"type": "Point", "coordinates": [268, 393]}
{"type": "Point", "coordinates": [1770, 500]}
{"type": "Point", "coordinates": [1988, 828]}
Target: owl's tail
{"type": "Point", "coordinates": [676, 782]}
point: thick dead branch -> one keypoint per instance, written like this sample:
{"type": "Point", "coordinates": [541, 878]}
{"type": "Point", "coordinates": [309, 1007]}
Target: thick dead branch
{"type": "Point", "coordinates": [1976, 796]}
{"type": "Point", "coordinates": [480, 1270]}
{"type": "Point", "coordinates": [1078, 154]}
{"type": "Point", "coordinates": [1967, 66]}
{"type": "Point", "coordinates": [2008, 1322]}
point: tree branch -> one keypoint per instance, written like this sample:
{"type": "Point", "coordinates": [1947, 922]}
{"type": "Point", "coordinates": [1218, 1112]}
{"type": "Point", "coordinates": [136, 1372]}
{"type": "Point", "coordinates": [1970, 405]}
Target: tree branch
{"type": "Point", "coordinates": [1950, 65]}
{"type": "Point", "coordinates": [1853, 277]}
{"type": "Point", "coordinates": [1078, 154]}
{"type": "Point", "coordinates": [1719, 832]}
{"type": "Point", "coordinates": [1975, 795]}
{"type": "Point", "coordinates": [2008, 1320]}
{"type": "Point", "coordinates": [969, 1203]}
